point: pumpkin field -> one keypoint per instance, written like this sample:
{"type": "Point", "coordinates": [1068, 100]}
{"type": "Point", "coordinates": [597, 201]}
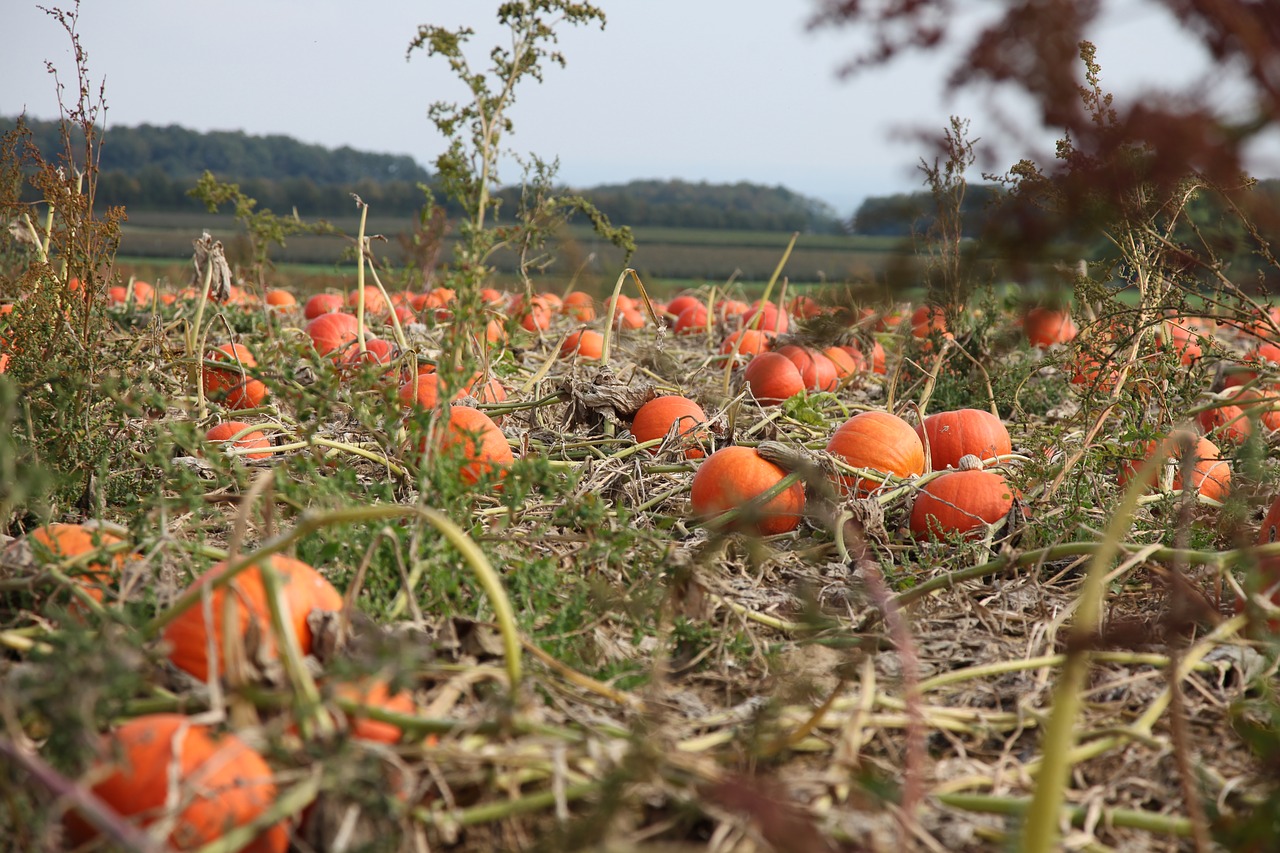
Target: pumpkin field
{"type": "Point", "coordinates": [442, 558]}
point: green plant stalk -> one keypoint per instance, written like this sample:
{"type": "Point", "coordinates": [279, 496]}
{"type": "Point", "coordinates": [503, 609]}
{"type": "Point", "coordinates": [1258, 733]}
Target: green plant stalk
{"type": "Point", "coordinates": [613, 310]}
{"type": "Point", "coordinates": [309, 522]}
{"type": "Point", "coordinates": [195, 343]}
{"type": "Point", "coordinates": [364, 215]}
{"type": "Point", "coordinates": [1125, 818]}
{"type": "Point", "coordinates": [491, 812]}
{"type": "Point", "coordinates": [396, 328]}
{"type": "Point", "coordinates": [773, 279]}
{"type": "Point", "coordinates": [1040, 831]}
{"type": "Point", "coordinates": [310, 714]}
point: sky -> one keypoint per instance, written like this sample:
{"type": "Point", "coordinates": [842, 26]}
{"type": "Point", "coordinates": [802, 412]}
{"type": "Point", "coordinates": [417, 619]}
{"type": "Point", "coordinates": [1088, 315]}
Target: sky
{"type": "Point", "coordinates": [714, 90]}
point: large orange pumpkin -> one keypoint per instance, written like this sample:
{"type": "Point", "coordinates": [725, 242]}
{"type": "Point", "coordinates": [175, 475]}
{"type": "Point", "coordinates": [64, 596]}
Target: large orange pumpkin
{"type": "Point", "coordinates": [483, 447]}
{"type": "Point", "coordinates": [773, 378]}
{"type": "Point", "coordinates": [302, 587]}
{"type": "Point", "coordinates": [322, 303]}
{"type": "Point", "coordinates": [332, 333]}
{"type": "Point", "coordinates": [1211, 475]}
{"type": "Point", "coordinates": [233, 385]}
{"type": "Point", "coordinates": [163, 767]}
{"type": "Point", "coordinates": [961, 501]}
{"type": "Point", "coordinates": [732, 477]}
{"type": "Point", "coordinates": [877, 441]}
{"type": "Point", "coordinates": [656, 418]}
{"type": "Point", "coordinates": [956, 434]}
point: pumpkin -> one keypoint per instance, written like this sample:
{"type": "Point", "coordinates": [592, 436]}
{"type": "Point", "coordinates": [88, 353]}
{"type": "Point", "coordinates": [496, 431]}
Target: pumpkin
{"type": "Point", "coordinates": [731, 309]}
{"type": "Point", "coordinates": [1211, 474]}
{"type": "Point", "coordinates": [281, 299]}
{"type": "Point", "coordinates": [580, 306]}
{"type": "Point", "coordinates": [928, 319]}
{"type": "Point", "coordinates": [773, 378]}
{"type": "Point", "coordinates": [163, 768]}
{"type": "Point", "coordinates": [585, 344]}
{"type": "Point", "coordinates": [480, 442]}
{"type": "Point", "coordinates": [876, 363]}
{"type": "Point", "coordinates": [805, 307]}
{"type": "Point", "coordinates": [692, 320]}
{"type": "Point", "coordinates": [232, 385]}
{"type": "Point", "coordinates": [1045, 327]}
{"type": "Point", "coordinates": [302, 587]}
{"type": "Point", "coordinates": [537, 316]}
{"type": "Point", "coordinates": [58, 542]}
{"type": "Point", "coordinates": [733, 476]}
{"type": "Point", "coordinates": [842, 361]}
{"type": "Point", "coordinates": [375, 693]}
{"type": "Point", "coordinates": [249, 439]}
{"type": "Point", "coordinates": [629, 318]}
{"type": "Point", "coordinates": [322, 303]}
{"type": "Point", "coordinates": [1261, 403]}
{"type": "Point", "coordinates": [657, 418]}
{"type": "Point", "coordinates": [678, 305]}
{"type": "Point", "coordinates": [816, 370]}
{"type": "Point", "coordinates": [376, 351]}
{"type": "Point", "coordinates": [877, 441]}
{"type": "Point", "coordinates": [952, 435]}
{"type": "Point", "coordinates": [374, 303]}
{"type": "Point", "coordinates": [770, 318]}
{"type": "Point", "coordinates": [1227, 421]}
{"type": "Point", "coordinates": [962, 501]}
{"type": "Point", "coordinates": [422, 390]}
{"type": "Point", "coordinates": [754, 342]}
{"type": "Point", "coordinates": [1184, 341]}
{"type": "Point", "coordinates": [333, 333]}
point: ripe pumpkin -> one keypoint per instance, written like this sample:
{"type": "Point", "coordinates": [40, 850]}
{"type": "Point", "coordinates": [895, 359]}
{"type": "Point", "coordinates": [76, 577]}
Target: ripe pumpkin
{"type": "Point", "coordinates": [332, 333]}
{"type": "Point", "coordinates": [480, 442]}
{"type": "Point", "coordinates": [375, 693]}
{"type": "Point", "coordinates": [62, 541]}
{"type": "Point", "coordinates": [772, 378]}
{"type": "Point", "coordinates": [302, 587]}
{"type": "Point", "coordinates": [536, 316]}
{"type": "Point", "coordinates": [692, 320]}
{"type": "Point", "coordinates": [225, 431]}
{"type": "Point", "coordinates": [232, 385]}
{"type": "Point", "coordinates": [816, 370]}
{"type": "Point", "coordinates": [162, 767]}
{"type": "Point", "coordinates": [771, 319]}
{"type": "Point", "coordinates": [1045, 327]}
{"type": "Point", "coordinates": [928, 319]}
{"type": "Point", "coordinates": [1211, 475]}
{"type": "Point", "coordinates": [587, 344]}
{"type": "Point", "coordinates": [963, 501]}
{"type": "Point", "coordinates": [376, 351]}
{"type": "Point", "coordinates": [1263, 404]}
{"type": "Point", "coordinates": [953, 435]}
{"type": "Point", "coordinates": [580, 306]}
{"type": "Point", "coordinates": [656, 418]}
{"type": "Point", "coordinates": [1226, 421]}
{"type": "Point", "coordinates": [842, 361]}
{"type": "Point", "coordinates": [733, 476]}
{"type": "Point", "coordinates": [754, 342]}
{"type": "Point", "coordinates": [373, 301]}
{"type": "Point", "coordinates": [322, 303]}
{"type": "Point", "coordinates": [282, 299]}
{"type": "Point", "coordinates": [877, 441]}
{"type": "Point", "coordinates": [682, 302]}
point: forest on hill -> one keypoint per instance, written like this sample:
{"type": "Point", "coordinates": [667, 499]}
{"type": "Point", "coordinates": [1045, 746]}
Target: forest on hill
{"type": "Point", "coordinates": [152, 168]}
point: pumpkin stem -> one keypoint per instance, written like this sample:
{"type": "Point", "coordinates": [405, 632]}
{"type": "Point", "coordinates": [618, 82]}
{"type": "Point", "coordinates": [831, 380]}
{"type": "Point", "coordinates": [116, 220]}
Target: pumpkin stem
{"type": "Point", "coordinates": [969, 462]}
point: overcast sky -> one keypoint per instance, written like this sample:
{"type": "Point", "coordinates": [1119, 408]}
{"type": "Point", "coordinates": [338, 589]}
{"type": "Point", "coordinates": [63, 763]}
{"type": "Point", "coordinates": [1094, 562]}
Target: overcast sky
{"type": "Point", "coordinates": [716, 90]}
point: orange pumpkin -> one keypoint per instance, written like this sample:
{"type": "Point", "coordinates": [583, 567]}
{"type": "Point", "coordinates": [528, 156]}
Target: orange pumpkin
{"type": "Point", "coordinates": [1045, 327]}
{"type": "Point", "coordinates": [375, 693]}
{"type": "Point", "coordinates": [816, 370]}
{"type": "Point", "coordinates": [225, 431]}
{"type": "Point", "coordinates": [961, 501]}
{"type": "Point", "coordinates": [842, 361]}
{"type": "Point", "coordinates": [773, 378]}
{"type": "Point", "coordinates": [656, 418]}
{"type": "Point", "coordinates": [928, 319]}
{"type": "Point", "coordinates": [877, 441]}
{"type": "Point", "coordinates": [770, 318]}
{"type": "Point", "coordinates": [732, 477]}
{"type": "Point", "coordinates": [956, 434]}
{"type": "Point", "coordinates": [1211, 474]}
{"type": "Point", "coordinates": [586, 344]}
{"type": "Point", "coordinates": [163, 768]}
{"type": "Point", "coordinates": [754, 342]}
{"type": "Point", "coordinates": [281, 299]}
{"type": "Point", "coordinates": [302, 587]}
{"type": "Point", "coordinates": [374, 303]}
{"type": "Point", "coordinates": [62, 541]}
{"type": "Point", "coordinates": [333, 333]}
{"type": "Point", "coordinates": [692, 320]}
{"type": "Point", "coordinates": [232, 385]}
{"type": "Point", "coordinates": [483, 447]}
{"type": "Point", "coordinates": [1227, 421]}
{"type": "Point", "coordinates": [682, 302]}
{"type": "Point", "coordinates": [322, 303]}
{"type": "Point", "coordinates": [376, 351]}
{"type": "Point", "coordinates": [580, 306]}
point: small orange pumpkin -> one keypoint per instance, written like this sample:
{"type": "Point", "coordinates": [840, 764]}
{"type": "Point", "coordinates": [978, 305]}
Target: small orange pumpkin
{"type": "Point", "coordinates": [163, 767]}
{"type": "Point", "coordinates": [62, 541]}
{"type": "Point", "coordinates": [772, 378]}
{"type": "Point", "coordinates": [483, 446]}
{"type": "Point", "coordinates": [233, 385]}
{"type": "Point", "coordinates": [587, 344]}
{"type": "Point", "coordinates": [732, 477]}
{"type": "Point", "coordinates": [332, 333]}
{"type": "Point", "coordinates": [1045, 327]}
{"type": "Point", "coordinates": [322, 303]}
{"type": "Point", "coordinates": [816, 370]}
{"type": "Point", "coordinates": [225, 431]}
{"type": "Point", "coordinates": [1211, 474]}
{"type": "Point", "coordinates": [656, 418]}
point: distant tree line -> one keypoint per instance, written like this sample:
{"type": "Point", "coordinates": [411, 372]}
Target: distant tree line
{"type": "Point", "coordinates": [905, 213]}
{"type": "Point", "coordinates": [152, 168]}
